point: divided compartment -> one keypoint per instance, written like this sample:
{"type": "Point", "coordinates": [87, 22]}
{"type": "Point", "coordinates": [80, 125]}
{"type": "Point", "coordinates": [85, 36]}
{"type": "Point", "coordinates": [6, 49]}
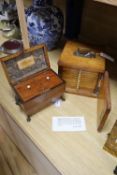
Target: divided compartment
{"type": "Point", "coordinates": [25, 63]}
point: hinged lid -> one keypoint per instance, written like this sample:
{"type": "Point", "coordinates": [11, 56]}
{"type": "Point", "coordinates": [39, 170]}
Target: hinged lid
{"type": "Point", "coordinates": [80, 56]}
{"type": "Point", "coordinates": [26, 63]}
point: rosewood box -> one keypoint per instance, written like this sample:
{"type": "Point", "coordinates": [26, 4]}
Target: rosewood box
{"type": "Point", "coordinates": [35, 84]}
{"type": "Point", "coordinates": [83, 71]}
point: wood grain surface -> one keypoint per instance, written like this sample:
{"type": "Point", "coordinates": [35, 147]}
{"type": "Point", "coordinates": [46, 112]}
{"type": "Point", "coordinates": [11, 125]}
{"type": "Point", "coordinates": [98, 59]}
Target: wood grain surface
{"type": "Point", "coordinates": [69, 60]}
{"type": "Point", "coordinates": [12, 162]}
{"type": "Point", "coordinates": [111, 143]}
{"type": "Point", "coordinates": [104, 102]}
{"type": "Point", "coordinates": [80, 73]}
{"type": "Point", "coordinates": [99, 25]}
{"type": "Point", "coordinates": [37, 85]}
{"type": "Point", "coordinates": [69, 153]}
{"type": "Point", "coordinates": [22, 22]}
{"type": "Point", "coordinates": [110, 2]}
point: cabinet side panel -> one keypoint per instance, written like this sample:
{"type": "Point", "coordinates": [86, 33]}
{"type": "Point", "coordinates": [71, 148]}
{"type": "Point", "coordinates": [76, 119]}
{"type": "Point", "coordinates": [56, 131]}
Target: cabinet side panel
{"type": "Point", "coordinates": [4, 123]}
{"type": "Point", "coordinates": [37, 159]}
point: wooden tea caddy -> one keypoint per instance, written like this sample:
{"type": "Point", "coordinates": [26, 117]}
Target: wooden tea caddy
{"type": "Point", "coordinates": [86, 75]}
{"type": "Point", "coordinates": [35, 84]}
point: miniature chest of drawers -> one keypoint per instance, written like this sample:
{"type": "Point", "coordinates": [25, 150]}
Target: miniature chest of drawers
{"type": "Point", "coordinates": [35, 84]}
{"type": "Point", "coordinates": [81, 68]}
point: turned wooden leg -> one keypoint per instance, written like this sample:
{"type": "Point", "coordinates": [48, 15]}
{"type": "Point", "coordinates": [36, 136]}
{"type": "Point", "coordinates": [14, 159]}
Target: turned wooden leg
{"type": "Point", "coordinates": [17, 100]}
{"type": "Point", "coordinates": [28, 118]}
{"type": "Point", "coordinates": [115, 170]}
{"type": "Point", "coordinates": [63, 97]}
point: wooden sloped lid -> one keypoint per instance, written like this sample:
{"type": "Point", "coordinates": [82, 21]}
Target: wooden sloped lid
{"type": "Point", "coordinates": [25, 63]}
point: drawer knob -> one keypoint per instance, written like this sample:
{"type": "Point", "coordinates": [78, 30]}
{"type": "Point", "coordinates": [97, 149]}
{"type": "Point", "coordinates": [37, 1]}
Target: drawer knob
{"type": "Point", "coordinates": [28, 86]}
{"type": "Point", "coordinates": [47, 78]}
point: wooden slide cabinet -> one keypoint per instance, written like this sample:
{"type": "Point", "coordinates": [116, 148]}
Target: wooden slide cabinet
{"type": "Point", "coordinates": [83, 70]}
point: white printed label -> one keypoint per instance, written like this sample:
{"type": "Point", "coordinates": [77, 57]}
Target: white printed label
{"type": "Point", "coordinates": [68, 123]}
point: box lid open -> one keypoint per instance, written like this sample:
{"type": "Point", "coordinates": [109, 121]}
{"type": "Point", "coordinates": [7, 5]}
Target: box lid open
{"type": "Point", "coordinates": [26, 63]}
{"type": "Point", "coordinates": [103, 102]}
